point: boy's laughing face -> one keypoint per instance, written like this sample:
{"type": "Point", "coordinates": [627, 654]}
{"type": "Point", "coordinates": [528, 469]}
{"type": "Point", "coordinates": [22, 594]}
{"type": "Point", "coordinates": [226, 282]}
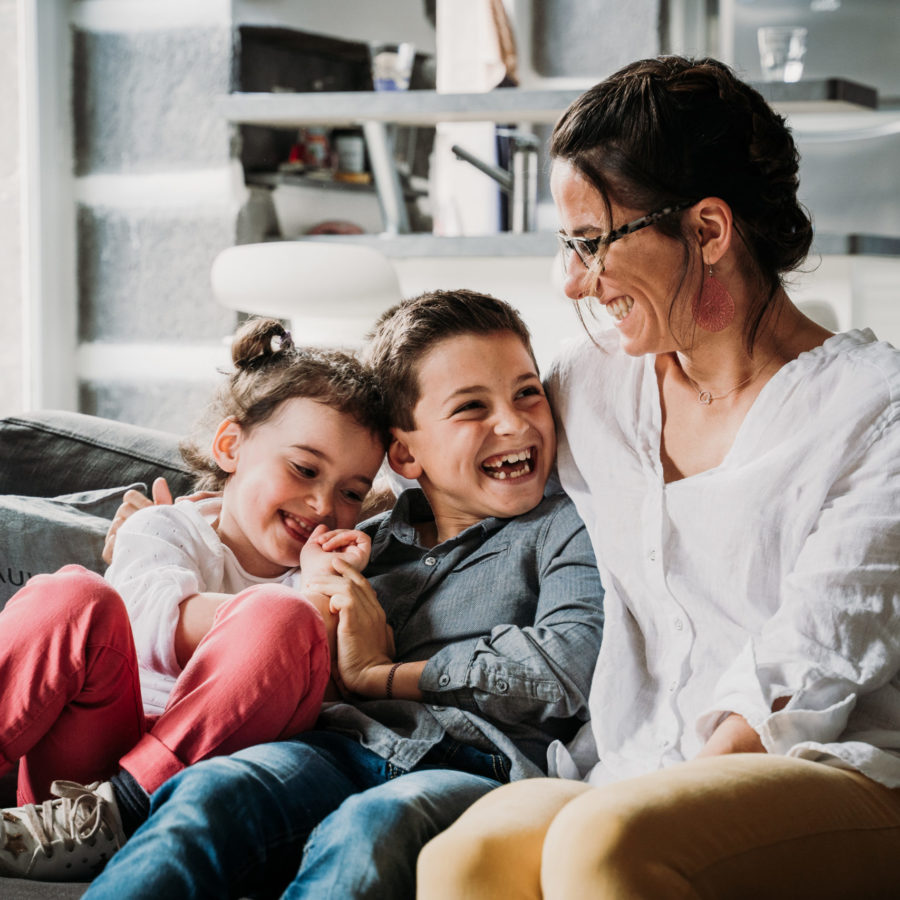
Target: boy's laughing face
{"type": "Point", "coordinates": [484, 441]}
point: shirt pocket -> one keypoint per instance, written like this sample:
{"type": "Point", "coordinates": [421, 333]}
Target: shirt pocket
{"type": "Point", "coordinates": [490, 556]}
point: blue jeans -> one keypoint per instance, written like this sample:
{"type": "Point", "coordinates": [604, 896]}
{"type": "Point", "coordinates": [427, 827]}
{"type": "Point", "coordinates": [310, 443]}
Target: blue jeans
{"type": "Point", "coordinates": [237, 826]}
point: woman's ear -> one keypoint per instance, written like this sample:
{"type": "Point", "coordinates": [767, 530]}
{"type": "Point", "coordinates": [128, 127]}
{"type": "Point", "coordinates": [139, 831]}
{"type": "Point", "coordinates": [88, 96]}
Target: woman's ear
{"type": "Point", "coordinates": [713, 223]}
{"type": "Point", "coordinates": [226, 445]}
{"type": "Point", "coordinates": [400, 455]}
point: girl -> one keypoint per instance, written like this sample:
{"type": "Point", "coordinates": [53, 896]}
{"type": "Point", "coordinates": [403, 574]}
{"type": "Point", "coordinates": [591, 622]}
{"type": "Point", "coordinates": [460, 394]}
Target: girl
{"type": "Point", "coordinates": [199, 641]}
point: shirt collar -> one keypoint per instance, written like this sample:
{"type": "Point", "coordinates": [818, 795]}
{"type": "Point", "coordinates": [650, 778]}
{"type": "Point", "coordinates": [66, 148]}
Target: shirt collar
{"type": "Point", "coordinates": [412, 506]}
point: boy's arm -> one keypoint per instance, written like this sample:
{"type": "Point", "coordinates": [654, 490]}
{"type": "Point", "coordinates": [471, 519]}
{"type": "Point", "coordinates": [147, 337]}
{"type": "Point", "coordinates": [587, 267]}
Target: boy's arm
{"type": "Point", "coordinates": [540, 671]}
{"type": "Point", "coordinates": [535, 672]}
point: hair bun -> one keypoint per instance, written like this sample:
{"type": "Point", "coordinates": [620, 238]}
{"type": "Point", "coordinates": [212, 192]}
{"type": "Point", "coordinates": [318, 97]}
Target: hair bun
{"type": "Point", "coordinates": [259, 341]}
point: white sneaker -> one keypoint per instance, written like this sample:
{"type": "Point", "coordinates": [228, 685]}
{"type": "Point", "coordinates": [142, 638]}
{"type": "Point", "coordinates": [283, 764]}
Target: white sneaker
{"type": "Point", "coordinates": [70, 839]}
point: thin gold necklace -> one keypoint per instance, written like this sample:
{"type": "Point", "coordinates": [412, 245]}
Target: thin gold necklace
{"type": "Point", "coordinates": [706, 397]}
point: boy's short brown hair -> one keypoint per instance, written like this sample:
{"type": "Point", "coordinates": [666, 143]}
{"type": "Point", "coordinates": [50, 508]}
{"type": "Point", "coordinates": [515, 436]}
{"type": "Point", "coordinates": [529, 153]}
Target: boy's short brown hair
{"type": "Point", "coordinates": [408, 331]}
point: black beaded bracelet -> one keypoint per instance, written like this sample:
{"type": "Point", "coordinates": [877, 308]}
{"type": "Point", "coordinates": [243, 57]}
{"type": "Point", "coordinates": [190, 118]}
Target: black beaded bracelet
{"type": "Point", "coordinates": [389, 689]}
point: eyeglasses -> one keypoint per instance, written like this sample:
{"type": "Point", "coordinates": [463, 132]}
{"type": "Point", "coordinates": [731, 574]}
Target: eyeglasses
{"type": "Point", "coordinates": [591, 250]}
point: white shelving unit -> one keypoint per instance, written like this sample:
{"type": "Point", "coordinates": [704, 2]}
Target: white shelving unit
{"type": "Point", "coordinates": [828, 109]}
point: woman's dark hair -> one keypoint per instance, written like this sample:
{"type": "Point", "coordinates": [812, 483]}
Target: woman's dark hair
{"type": "Point", "coordinates": [669, 130]}
{"type": "Point", "coordinates": [405, 333]}
{"type": "Point", "coordinates": [269, 369]}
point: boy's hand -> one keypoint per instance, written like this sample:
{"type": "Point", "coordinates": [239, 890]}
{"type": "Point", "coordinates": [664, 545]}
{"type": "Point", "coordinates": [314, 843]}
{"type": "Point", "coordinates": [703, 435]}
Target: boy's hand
{"type": "Point", "coordinates": [364, 639]}
{"type": "Point", "coordinates": [135, 500]}
{"type": "Point", "coordinates": [325, 548]}
{"type": "Point", "coordinates": [131, 503]}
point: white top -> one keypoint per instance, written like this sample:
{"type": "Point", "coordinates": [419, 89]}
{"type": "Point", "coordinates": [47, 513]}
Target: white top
{"type": "Point", "coordinates": [774, 574]}
{"type": "Point", "coordinates": [164, 554]}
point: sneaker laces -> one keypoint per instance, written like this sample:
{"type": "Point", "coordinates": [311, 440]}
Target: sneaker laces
{"type": "Point", "coordinates": [78, 815]}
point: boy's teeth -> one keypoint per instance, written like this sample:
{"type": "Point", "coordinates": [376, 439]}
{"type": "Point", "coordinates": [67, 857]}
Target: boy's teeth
{"type": "Point", "coordinates": [516, 473]}
{"type": "Point", "coordinates": [493, 466]}
{"type": "Point", "coordinates": [509, 458]}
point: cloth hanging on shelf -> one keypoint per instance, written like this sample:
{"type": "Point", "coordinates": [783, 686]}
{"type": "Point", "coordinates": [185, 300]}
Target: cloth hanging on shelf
{"type": "Point", "coordinates": [476, 52]}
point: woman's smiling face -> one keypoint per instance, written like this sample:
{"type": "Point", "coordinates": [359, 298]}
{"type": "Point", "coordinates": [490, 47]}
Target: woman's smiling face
{"type": "Point", "coordinates": [642, 271]}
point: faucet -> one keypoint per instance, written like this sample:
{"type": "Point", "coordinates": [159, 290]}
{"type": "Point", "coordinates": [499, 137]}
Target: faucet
{"type": "Point", "coordinates": [520, 181]}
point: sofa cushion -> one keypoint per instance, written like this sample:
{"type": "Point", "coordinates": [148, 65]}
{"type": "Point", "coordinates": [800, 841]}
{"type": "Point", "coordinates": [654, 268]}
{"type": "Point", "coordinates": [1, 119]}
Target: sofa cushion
{"type": "Point", "coordinates": [48, 453]}
{"type": "Point", "coordinates": [42, 534]}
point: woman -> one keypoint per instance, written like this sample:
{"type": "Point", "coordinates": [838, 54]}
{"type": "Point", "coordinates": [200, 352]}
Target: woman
{"type": "Point", "coordinates": [737, 468]}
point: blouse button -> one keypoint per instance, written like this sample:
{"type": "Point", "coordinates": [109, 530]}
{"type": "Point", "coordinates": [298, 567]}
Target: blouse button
{"type": "Point", "coordinates": [430, 561]}
{"type": "Point", "coordinates": [652, 555]}
{"type": "Point", "coordinates": [444, 680]}
{"type": "Point", "coordinates": [502, 686]}
{"type": "Point", "coordinates": [679, 624]}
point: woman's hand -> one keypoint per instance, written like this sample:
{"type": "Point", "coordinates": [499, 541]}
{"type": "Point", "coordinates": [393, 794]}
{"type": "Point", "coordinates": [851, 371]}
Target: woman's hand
{"type": "Point", "coordinates": [733, 735]}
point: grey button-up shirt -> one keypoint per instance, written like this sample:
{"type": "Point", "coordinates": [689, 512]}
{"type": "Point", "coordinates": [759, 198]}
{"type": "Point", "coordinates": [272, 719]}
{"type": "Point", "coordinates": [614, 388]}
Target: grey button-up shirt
{"type": "Point", "coordinates": [508, 614]}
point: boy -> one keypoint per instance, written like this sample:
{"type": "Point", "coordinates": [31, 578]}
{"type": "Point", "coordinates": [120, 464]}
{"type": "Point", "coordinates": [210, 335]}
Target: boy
{"type": "Point", "coordinates": [492, 593]}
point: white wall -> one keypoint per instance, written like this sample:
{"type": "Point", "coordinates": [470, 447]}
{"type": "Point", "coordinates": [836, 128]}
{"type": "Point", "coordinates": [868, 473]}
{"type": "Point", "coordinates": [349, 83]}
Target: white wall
{"type": "Point", "coordinates": [11, 294]}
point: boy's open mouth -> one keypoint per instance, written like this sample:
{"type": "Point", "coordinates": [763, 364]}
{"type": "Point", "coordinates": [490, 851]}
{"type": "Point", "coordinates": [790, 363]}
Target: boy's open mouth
{"type": "Point", "coordinates": [299, 529]}
{"type": "Point", "coordinates": [510, 465]}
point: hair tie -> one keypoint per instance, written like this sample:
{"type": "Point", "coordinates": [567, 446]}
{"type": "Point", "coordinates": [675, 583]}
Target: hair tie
{"type": "Point", "coordinates": [285, 341]}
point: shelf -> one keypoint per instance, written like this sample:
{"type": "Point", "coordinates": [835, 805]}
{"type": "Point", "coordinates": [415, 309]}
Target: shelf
{"type": "Point", "coordinates": [856, 245]}
{"type": "Point", "coordinates": [312, 179]}
{"type": "Point", "coordinates": [543, 243]}
{"type": "Point", "coordinates": [418, 246]}
{"type": "Point", "coordinates": [818, 95]}
{"type": "Point", "coordinates": [353, 108]}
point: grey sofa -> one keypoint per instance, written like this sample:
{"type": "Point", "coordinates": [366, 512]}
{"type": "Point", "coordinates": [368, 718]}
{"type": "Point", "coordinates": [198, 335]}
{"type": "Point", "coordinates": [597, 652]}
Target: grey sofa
{"type": "Point", "coordinates": [62, 476]}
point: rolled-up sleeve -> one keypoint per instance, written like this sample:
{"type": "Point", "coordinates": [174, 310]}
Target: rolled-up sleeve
{"type": "Point", "coordinates": [834, 637]}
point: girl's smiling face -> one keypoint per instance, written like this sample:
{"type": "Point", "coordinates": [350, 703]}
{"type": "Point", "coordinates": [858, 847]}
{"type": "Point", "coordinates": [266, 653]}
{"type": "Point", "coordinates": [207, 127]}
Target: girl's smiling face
{"type": "Point", "coordinates": [484, 441]}
{"type": "Point", "coordinates": [305, 465]}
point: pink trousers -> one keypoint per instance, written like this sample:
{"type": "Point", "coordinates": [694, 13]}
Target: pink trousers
{"type": "Point", "coordinates": [70, 700]}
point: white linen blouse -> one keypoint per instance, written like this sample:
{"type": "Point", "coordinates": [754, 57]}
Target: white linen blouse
{"type": "Point", "coordinates": [774, 574]}
{"type": "Point", "coordinates": [163, 555]}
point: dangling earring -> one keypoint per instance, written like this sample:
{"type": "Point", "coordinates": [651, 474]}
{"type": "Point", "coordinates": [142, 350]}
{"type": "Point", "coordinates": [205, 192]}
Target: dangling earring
{"type": "Point", "coordinates": [713, 307]}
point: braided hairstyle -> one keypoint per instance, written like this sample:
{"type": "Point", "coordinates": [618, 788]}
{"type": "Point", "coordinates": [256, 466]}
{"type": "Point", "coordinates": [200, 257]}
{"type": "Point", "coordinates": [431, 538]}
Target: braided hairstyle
{"type": "Point", "coordinates": [669, 130]}
{"type": "Point", "coordinates": [269, 370]}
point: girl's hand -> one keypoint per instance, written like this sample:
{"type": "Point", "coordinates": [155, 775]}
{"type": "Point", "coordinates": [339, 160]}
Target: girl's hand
{"type": "Point", "coordinates": [364, 640]}
{"type": "Point", "coordinates": [324, 549]}
{"type": "Point", "coordinates": [354, 547]}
